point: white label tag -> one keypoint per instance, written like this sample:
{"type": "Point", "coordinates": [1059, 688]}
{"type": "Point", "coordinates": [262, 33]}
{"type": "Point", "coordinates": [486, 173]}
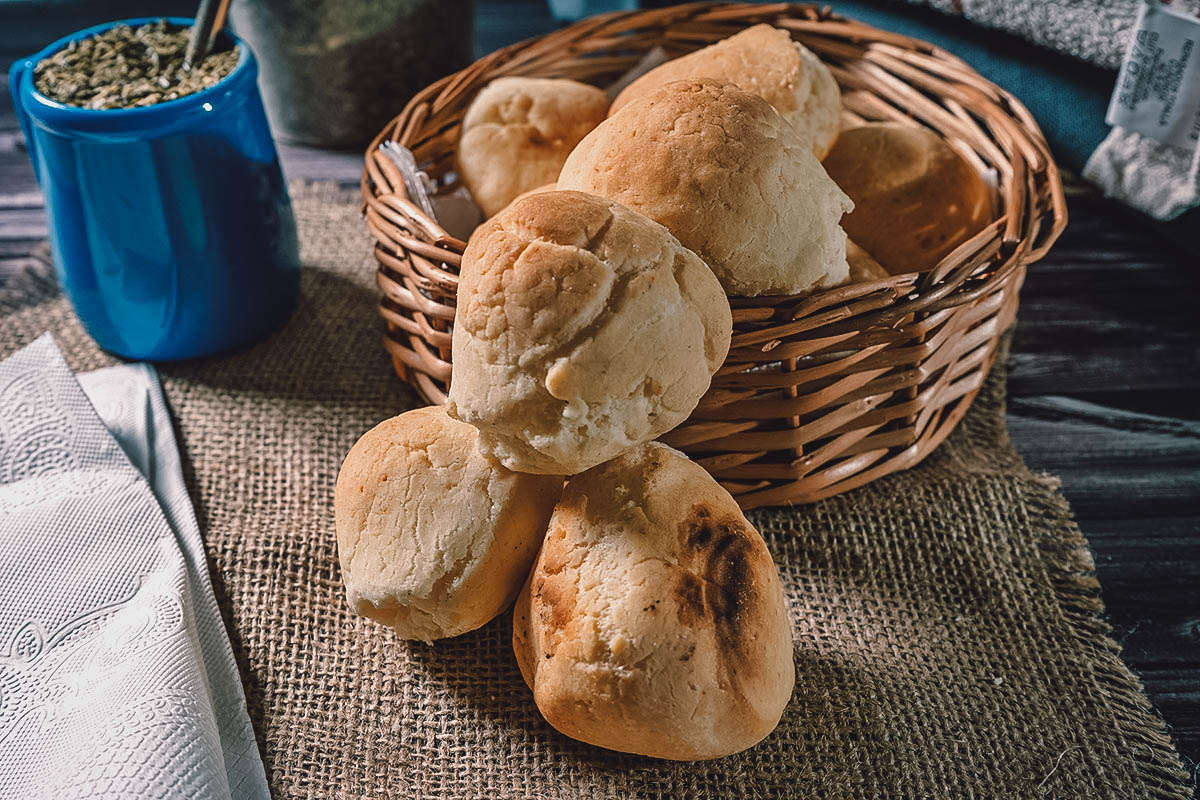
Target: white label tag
{"type": "Point", "coordinates": [1158, 88]}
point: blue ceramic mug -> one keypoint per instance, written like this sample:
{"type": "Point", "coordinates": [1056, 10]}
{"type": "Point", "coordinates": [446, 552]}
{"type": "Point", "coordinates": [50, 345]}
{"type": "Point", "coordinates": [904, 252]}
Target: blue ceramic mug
{"type": "Point", "coordinates": [170, 224]}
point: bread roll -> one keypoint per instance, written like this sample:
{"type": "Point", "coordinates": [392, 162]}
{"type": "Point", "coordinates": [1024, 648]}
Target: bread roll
{"type": "Point", "coordinates": [762, 60]}
{"type": "Point", "coordinates": [915, 198]}
{"type": "Point", "coordinates": [653, 621]}
{"type": "Point", "coordinates": [549, 187]}
{"type": "Point", "coordinates": [724, 173]}
{"type": "Point", "coordinates": [583, 329]}
{"type": "Point", "coordinates": [433, 538]}
{"type": "Point", "coordinates": [518, 131]}
{"type": "Point", "coordinates": [863, 268]}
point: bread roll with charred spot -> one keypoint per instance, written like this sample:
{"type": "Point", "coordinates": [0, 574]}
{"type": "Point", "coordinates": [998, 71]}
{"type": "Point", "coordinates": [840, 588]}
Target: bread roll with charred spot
{"type": "Point", "coordinates": [653, 621]}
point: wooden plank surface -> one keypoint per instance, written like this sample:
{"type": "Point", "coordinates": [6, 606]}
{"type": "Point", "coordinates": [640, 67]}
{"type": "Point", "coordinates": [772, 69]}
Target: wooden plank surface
{"type": "Point", "coordinates": [1103, 394]}
{"type": "Point", "coordinates": [1104, 381]}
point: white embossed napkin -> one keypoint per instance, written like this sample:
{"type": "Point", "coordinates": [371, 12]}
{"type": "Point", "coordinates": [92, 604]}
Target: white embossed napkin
{"type": "Point", "coordinates": [116, 675]}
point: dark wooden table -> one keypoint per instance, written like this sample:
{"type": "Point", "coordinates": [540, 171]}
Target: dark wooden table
{"type": "Point", "coordinates": [1104, 393]}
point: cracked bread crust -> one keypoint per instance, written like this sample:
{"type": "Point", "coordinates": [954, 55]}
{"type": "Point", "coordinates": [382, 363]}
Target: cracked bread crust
{"type": "Point", "coordinates": [728, 177]}
{"type": "Point", "coordinates": [434, 539]}
{"type": "Point", "coordinates": [653, 621]}
{"type": "Point", "coordinates": [517, 133]}
{"type": "Point", "coordinates": [762, 60]}
{"type": "Point", "coordinates": [583, 329]}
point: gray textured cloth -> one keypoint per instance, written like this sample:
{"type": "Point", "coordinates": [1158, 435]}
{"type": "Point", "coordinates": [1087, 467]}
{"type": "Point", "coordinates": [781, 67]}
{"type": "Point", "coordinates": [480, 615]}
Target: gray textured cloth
{"type": "Point", "coordinates": [1150, 159]}
{"type": "Point", "coordinates": [949, 637]}
{"type": "Point", "coordinates": [1095, 31]}
{"type": "Point", "coordinates": [1155, 178]}
{"type": "Point", "coordinates": [1158, 179]}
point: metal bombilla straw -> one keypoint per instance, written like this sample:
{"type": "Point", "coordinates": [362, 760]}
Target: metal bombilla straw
{"type": "Point", "coordinates": [210, 18]}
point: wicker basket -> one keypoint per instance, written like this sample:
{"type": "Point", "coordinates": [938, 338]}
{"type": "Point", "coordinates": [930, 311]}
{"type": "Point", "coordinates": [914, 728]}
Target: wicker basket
{"type": "Point", "coordinates": [819, 393]}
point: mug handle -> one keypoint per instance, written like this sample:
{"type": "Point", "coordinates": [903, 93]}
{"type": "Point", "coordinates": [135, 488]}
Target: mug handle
{"type": "Point", "coordinates": [16, 72]}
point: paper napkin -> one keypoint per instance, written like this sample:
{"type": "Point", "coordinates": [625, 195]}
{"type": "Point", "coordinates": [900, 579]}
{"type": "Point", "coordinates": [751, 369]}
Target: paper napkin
{"type": "Point", "coordinates": [117, 679]}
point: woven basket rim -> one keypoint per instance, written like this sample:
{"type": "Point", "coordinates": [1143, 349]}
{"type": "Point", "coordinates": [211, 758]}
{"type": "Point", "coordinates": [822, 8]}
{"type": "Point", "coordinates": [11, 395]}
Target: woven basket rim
{"type": "Point", "coordinates": [823, 15]}
{"type": "Point", "coordinates": [883, 75]}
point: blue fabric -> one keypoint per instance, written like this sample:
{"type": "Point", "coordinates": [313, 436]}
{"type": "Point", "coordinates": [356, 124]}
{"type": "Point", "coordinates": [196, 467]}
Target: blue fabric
{"type": "Point", "coordinates": [1067, 97]}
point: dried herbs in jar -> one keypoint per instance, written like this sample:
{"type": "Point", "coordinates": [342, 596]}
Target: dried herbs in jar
{"type": "Point", "coordinates": [334, 71]}
{"type": "Point", "coordinates": [126, 67]}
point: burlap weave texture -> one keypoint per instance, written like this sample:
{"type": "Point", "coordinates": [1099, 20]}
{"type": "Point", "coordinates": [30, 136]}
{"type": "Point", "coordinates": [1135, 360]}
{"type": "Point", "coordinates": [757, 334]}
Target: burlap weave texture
{"type": "Point", "coordinates": [949, 637]}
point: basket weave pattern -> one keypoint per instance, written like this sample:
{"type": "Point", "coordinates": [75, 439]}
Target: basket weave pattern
{"type": "Point", "coordinates": [820, 393]}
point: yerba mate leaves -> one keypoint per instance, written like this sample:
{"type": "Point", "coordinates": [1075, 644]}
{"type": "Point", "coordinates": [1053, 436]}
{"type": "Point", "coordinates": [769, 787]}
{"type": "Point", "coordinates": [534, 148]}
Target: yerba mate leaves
{"type": "Point", "coordinates": [126, 67]}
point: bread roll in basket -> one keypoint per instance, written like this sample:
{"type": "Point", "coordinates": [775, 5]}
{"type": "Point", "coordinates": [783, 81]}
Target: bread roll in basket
{"type": "Point", "coordinates": [820, 393]}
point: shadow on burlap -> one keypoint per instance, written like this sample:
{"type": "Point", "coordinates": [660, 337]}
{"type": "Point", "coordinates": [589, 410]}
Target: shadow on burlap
{"type": "Point", "coordinates": [949, 636]}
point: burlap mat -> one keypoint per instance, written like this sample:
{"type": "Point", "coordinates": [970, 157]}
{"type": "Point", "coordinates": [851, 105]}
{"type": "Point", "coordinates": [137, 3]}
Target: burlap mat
{"type": "Point", "coordinates": [950, 640]}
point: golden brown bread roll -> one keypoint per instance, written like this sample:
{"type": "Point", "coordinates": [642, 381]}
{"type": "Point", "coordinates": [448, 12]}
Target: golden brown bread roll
{"type": "Point", "coordinates": [761, 60]}
{"type": "Point", "coordinates": [863, 268]}
{"type": "Point", "coordinates": [729, 177]}
{"type": "Point", "coordinates": [549, 187]}
{"type": "Point", "coordinates": [583, 329]}
{"type": "Point", "coordinates": [915, 198]}
{"type": "Point", "coordinates": [433, 538]}
{"type": "Point", "coordinates": [653, 621]}
{"type": "Point", "coordinates": [518, 131]}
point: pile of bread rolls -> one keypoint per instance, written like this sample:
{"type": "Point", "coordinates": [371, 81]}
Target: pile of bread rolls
{"type": "Point", "coordinates": [592, 314]}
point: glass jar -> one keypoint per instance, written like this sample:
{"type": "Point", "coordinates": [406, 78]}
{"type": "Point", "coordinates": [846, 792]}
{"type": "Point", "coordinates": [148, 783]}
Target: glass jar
{"type": "Point", "coordinates": [334, 71]}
